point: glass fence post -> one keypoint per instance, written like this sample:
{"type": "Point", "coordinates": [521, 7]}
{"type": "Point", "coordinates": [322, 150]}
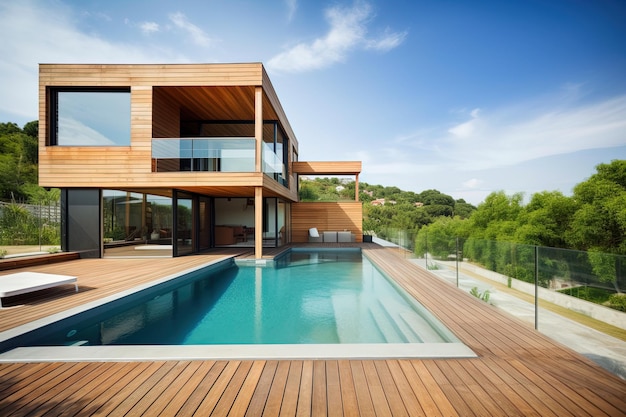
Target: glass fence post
{"type": "Point", "coordinates": [536, 287]}
{"type": "Point", "coordinates": [457, 261]}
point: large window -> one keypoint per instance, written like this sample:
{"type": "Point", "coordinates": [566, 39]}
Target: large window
{"type": "Point", "coordinates": [90, 117]}
{"type": "Point", "coordinates": [136, 224]}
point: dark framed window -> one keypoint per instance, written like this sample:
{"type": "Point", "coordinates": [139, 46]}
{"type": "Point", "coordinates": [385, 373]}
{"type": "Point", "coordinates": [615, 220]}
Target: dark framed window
{"type": "Point", "coordinates": [81, 116]}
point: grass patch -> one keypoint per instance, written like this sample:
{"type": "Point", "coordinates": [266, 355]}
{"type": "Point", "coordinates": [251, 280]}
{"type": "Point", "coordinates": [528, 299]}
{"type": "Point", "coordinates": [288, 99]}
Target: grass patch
{"type": "Point", "coordinates": [591, 294]}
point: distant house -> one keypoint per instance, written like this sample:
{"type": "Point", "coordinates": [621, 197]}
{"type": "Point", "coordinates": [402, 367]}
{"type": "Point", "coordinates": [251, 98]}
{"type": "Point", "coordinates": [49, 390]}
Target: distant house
{"type": "Point", "coordinates": [382, 202]}
{"type": "Point", "coordinates": [378, 202]}
{"type": "Point", "coordinates": [176, 159]}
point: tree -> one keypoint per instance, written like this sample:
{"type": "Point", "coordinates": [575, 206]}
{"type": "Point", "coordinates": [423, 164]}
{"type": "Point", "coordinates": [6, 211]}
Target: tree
{"type": "Point", "coordinates": [545, 220]}
{"type": "Point", "coordinates": [439, 237]}
{"type": "Point", "coordinates": [32, 129]}
{"type": "Point", "coordinates": [599, 222]}
{"type": "Point", "coordinates": [496, 217]}
{"type": "Point", "coordinates": [18, 159]}
{"type": "Point", "coordinates": [463, 209]}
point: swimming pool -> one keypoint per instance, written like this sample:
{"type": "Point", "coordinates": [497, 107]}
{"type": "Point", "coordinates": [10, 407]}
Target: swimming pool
{"type": "Point", "coordinates": [335, 300]}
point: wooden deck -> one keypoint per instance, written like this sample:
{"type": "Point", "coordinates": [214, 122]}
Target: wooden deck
{"type": "Point", "coordinates": [519, 372]}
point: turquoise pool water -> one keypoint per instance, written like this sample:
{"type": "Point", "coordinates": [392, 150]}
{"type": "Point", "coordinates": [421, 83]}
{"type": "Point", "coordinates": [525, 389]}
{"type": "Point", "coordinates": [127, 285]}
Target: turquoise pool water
{"type": "Point", "coordinates": [309, 297]}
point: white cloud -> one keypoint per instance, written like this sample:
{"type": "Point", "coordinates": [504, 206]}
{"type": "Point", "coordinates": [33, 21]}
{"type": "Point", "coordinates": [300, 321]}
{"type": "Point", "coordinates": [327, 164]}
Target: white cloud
{"type": "Point", "coordinates": [292, 6]}
{"type": "Point", "coordinates": [149, 27]}
{"type": "Point", "coordinates": [77, 134]}
{"type": "Point", "coordinates": [33, 33]}
{"type": "Point", "coordinates": [502, 148]}
{"type": "Point", "coordinates": [472, 183]}
{"type": "Point", "coordinates": [504, 137]}
{"type": "Point", "coordinates": [467, 129]}
{"type": "Point", "coordinates": [197, 35]}
{"type": "Point", "coordinates": [387, 42]}
{"type": "Point", "coordinates": [348, 31]}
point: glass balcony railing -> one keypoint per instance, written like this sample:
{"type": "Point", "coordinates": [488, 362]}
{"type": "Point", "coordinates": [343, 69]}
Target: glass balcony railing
{"type": "Point", "coordinates": [203, 154]}
{"type": "Point", "coordinates": [273, 164]}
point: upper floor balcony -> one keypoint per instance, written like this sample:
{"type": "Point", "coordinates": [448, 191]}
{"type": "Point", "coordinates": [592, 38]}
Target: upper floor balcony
{"type": "Point", "coordinates": [225, 154]}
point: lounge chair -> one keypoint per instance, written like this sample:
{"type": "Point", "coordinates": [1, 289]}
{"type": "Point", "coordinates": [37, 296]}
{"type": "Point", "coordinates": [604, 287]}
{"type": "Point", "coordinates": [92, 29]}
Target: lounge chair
{"type": "Point", "coordinates": [314, 235]}
{"type": "Point", "coordinates": [25, 282]}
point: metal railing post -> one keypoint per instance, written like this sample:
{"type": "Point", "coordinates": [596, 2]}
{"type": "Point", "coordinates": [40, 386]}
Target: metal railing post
{"type": "Point", "coordinates": [536, 287]}
{"type": "Point", "coordinates": [457, 261]}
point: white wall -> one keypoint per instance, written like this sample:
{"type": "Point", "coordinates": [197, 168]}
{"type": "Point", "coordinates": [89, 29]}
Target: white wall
{"type": "Point", "coordinates": [234, 212]}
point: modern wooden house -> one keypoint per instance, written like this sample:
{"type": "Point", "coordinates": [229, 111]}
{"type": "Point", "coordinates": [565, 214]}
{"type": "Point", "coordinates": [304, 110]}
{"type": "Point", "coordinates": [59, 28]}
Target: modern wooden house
{"type": "Point", "coordinates": [167, 160]}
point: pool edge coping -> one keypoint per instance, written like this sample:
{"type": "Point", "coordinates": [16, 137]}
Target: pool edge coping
{"type": "Point", "coordinates": [140, 353]}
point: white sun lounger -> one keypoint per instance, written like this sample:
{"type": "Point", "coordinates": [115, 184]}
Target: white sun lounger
{"type": "Point", "coordinates": [24, 282]}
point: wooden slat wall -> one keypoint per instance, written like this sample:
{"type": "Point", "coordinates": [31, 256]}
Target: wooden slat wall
{"type": "Point", "coordinates": [166, 115]}
{"type": "Point", "coordinates": [332, 216]}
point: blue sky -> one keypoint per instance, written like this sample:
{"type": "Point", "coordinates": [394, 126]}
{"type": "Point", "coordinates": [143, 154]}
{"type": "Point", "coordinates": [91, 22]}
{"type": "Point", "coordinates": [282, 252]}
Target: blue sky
{"type": "Point", "coordinates": [466, 97]}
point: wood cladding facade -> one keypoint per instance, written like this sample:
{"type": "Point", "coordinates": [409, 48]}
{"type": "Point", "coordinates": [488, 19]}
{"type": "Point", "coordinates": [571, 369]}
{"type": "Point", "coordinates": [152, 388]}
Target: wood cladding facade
{"type": "Point", "coordinates": [331, 216]}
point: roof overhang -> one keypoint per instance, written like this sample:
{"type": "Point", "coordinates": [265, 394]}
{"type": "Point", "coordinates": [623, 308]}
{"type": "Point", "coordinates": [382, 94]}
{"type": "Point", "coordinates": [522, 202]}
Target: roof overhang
{"type": "Point", "coordinates": [327, 168]}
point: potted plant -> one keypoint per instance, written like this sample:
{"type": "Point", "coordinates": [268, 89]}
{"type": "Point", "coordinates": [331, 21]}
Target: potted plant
{"type": "Point", "coordinates": [368, 230]}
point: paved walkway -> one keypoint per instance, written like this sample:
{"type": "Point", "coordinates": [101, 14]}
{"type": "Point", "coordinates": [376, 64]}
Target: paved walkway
{"type": "Point", "coordinates": [607, 351]}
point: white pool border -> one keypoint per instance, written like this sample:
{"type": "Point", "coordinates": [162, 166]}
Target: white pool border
{"type": "Point", "coordinates": [134, 353]}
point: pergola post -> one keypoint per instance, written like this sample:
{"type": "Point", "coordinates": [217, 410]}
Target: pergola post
{"type": "Point", "coordinates": [258, 191]}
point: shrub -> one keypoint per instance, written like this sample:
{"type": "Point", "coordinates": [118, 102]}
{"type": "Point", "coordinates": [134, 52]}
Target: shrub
{"type": "Point", "coordinates": [617, 302]}
{"type": "Point", "coordinates": [481, 296]}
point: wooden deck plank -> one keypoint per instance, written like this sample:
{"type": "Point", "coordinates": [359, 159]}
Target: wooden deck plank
{"type": "Point", "coordinates": [306, 390]}
{"type": "Point", "coordinates": [426, 397]}
{"type": "Point", "coordinates": [262, 391]}
{"type": "Point", "coordinates": [184, 391]}
{"type": "Point", "coordinates": [319, 405]}
{"type": "Point", "coordinates": [473, 394]}
{"type": "Point", "coordinates": [56, 393]}
{"type": "Point", "coordinates": [165, 391]}
{"type": "Point", "coordinates": [364, 399]}
{"type": "Point", "coordinates": [390, 389]}
{"type": "Point", "coordinates": [136, 395]}
{"type": "Point", "coordinates": [518, 372]}
{"type": "Point", "coordinates": [232, 389]}
{"type": "Point", "coordinates": [499, 390]}
{"type": "Point", "coordinates": [379, 400]}
{"type": "Point", "coordinates": [214, 395]}
{"type": "Point", "coordinates": [444, 404]}
{"type": "Point", "coordinates": [245, 392]}
{"type": "Point", "coordinates": [79, 399]}
{"type": "Point", "coordinates": [540, 374]}
{"type": "Point", "coordinates": [202, 388]}
{"type": "Point", "coordinates": [45, 390]}
{"type": "Point", "coordinates": [28, 387]}
{"type": "Point", "coordinates": [349, 400]}
{"type": "Point", "coordinates": [277, 391]}
{"type": "Point", "coordinates": [536, 393]}
{"type": "Point", "coordinates": [407, 396]}
{"type": "Point", "coordinates": [289, 404]}
{"type": "Point", "coordinates": [454, 393]}
{"type": "Point", "coordinates": [333, 389]}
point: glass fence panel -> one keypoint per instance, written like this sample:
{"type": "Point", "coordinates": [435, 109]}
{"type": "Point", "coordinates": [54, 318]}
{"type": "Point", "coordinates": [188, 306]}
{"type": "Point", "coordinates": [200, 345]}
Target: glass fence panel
{"type": "Point", "coordinates": [544, 282]}
{"type": "Point", "coordinates": [272, 163]}
{"type": "Point", "coordinates": [203, 154]}
{"type": "Point", "coordinates": [29, 228]}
